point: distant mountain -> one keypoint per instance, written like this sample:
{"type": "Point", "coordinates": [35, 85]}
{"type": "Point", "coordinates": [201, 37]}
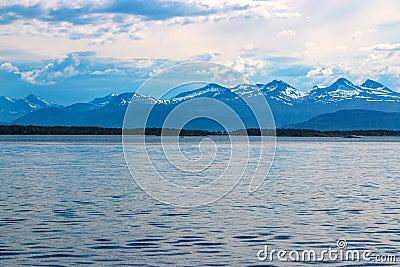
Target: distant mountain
{"type": "Point", "coordinates": [357, 119]}
{"type": "Point", "coordinates": [343, 90]}
{"type": "Point", "coordinates": [210, 90]}
{"type": "Point", "coordinates": [10, 109]}
{"type": "Point", "coordinates": [288, 104]}
{"type": "Point", "coordinates": [275, 90]}
{"type": "Point", "coordinates": [107, 111]}
{"type": "Point", "coordinates": [283, 92]}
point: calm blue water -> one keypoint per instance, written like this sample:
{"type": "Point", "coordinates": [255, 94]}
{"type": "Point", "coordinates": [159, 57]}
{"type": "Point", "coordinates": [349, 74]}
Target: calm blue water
{"type": "Point", "coordinates": [68, 201]}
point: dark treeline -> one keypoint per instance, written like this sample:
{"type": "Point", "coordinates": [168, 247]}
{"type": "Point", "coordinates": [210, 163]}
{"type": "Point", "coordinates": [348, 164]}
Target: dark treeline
{"type": "Point", "coordinates": [336, 133]}
{"type": "Point", "coordinates": [89, 130]}
{"type": "Point", "coordinates": [316, 133]}
{"type": "Point", "coordinates": [174, 132]}
{"type": "Point", "coordinates": [57, 130]}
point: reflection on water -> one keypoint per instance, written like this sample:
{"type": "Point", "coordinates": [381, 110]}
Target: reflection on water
{"type": "Point", "coordinates": [71, 201]}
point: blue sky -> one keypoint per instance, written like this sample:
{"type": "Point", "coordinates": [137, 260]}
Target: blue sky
{"type": "Point", "coordinates": [70, 51]}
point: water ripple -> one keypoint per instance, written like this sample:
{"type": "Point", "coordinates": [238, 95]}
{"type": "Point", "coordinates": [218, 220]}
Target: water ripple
{"type": "Point", "coordinates": [71, 202]}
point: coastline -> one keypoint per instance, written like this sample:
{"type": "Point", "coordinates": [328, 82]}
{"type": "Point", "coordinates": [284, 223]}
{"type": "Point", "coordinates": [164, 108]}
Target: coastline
{"type": "Point", "coordinates": [93, 130]}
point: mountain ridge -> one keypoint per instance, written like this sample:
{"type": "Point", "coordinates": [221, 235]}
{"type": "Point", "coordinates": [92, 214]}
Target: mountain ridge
{"type": "Point", "coordinates": [288, 104]}
{"type": "Point", "coordinates": [347, 120]}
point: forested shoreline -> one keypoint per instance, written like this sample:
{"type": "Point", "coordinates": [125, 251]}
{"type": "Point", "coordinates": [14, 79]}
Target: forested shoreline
{"type": "Point", "coordinates": [89, 130]}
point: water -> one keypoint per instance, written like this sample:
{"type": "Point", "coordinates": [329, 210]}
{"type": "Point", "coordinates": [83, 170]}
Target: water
{"type": "Point", "coordinates": [68, 201]}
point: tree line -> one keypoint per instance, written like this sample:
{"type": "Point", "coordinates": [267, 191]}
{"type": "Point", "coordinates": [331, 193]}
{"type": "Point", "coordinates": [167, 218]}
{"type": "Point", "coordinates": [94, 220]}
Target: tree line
{"type": "Point", "coordinates": [92, 130]}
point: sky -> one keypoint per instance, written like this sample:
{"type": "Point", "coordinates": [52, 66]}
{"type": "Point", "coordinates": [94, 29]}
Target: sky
{"type": "Point", "coordinates": [73, 51]}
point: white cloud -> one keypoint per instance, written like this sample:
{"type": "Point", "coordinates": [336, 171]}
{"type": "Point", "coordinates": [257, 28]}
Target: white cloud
{"type": "Point", "coordinates": [84, 63]}
{"type": "Point", "coordinates": [204, 57]}
{"type": "Point", "coordinates": [101, 24]}
{"type": "Point", "coordinates": [359, 33]}
{"type": "Point", "coordinates": [104, 31]}
{"type": "Point", "coordinates": [325, 71]}
{"type": "Point", "coordinates": [336, 37]}
{"type": "Point", "coordinates": [246, 66]}
{"type": "Point", "coordinates": [7, 66]}
{"type": "Point", "coordinates": [383, 47]}
{"type": "Point", "coordinates": [54, 71]}
{"type": "Point", "coordinates": [113, 71]}
{"type": "Point", "coordinates": [286, 33]}
{"type": "Point", "coordinates": [47, 4]}
{"type": "Point", "coordinates": [142, 63]}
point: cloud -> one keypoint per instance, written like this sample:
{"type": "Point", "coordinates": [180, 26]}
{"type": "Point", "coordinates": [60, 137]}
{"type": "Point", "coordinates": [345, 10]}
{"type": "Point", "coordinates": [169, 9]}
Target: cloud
{"type": "Point", "coordinates": [104, 22]}
{"type": "Point", "coordinates": [85, 53]}
{"type": "Point", "coordinates": [296, 70]}
{"type": "Point", "coordinates": [327, 71]}
{"type": "Point", "coordinates": [286, 33]}
{"type": "Point", "coordinates": [104, 30]}
{"type": "Point", "coordinates": [156, 9]}
{"type": "Point", "coordinates": [80, 12]}
{"type": "Point", "coordinates": [142, 63]}
{"type": "Point", "coordinates": [204, 57]}
{"type": "Point", "coordinates": [359, 33]}
{"type": "Point", "coordinates": [54, 71]}
{"type": "Point", "coordinates": [114, 71]}
{"type": "Point", "coordinates": [7, 66]}
{"type": "Point", "coordinates": [51, 73]}
{"type": "Point", "coordinates": [85, 63]}
{"type": "Point", "coordinates": [80, 64]}
{"type": "Point", "coordinates": [383, 47]}
{"type": "Point", "coordinates": [246, 66]}
{"type": "Point", "coordinates": [132, 39]}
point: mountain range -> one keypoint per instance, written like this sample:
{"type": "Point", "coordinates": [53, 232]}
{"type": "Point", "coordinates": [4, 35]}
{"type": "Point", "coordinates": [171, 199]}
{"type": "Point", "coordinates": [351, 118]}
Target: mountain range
{"type": "Point", "coordinates": [11, 109]}
{"type": "Point", "coordinates": [290, 106]}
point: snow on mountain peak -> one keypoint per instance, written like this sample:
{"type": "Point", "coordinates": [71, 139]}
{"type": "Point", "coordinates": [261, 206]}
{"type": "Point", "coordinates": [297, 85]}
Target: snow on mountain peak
{"type": "Point", "coordinates": [7, 99]}
{"type": "Point", "coordinates": [247, 90]}
{"type": "Point", "coordinates": [283, 91]}
{"type": "Point", "coordinates": [343, 89]}
{"type": "Point", "coordinates": [36, 102]}
{"type": "Point", "coordinates": [340, 90]}
{"type": "Point", "coordinates": [142, 98]}
{"type": "Point", "coordinates": [210, 90]}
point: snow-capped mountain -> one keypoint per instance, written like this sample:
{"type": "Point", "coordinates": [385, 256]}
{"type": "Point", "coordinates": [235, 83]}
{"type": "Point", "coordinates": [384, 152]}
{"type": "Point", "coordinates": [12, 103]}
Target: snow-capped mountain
{"type": "Point", "coordinates": [211, 90]}
{"type": "Point", "coordinates": [102, 101]}
{"type": "Point", "coordinates": [111, 102]}
{"type": "Point", "coordinates": [276, 90]}
{"type": "Point", "coordinates": [283, 92]}
{"type": "Point", "coordinates": [343, 90]}
{"type": "Point", "coordinates": [247, 90]}
{"type": "Point", "coordinates": [11, 109]}
{"type": "Point", "coordinates": [288, 104]}
{"type": "Point", "coordinates": [374, 91]}
{"type": "Point", "coordinates": [36, 102]}
{"type": "Point", "coordinates": [121, 99]}
{"type": "Point", "coordinates": [340, 90]}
